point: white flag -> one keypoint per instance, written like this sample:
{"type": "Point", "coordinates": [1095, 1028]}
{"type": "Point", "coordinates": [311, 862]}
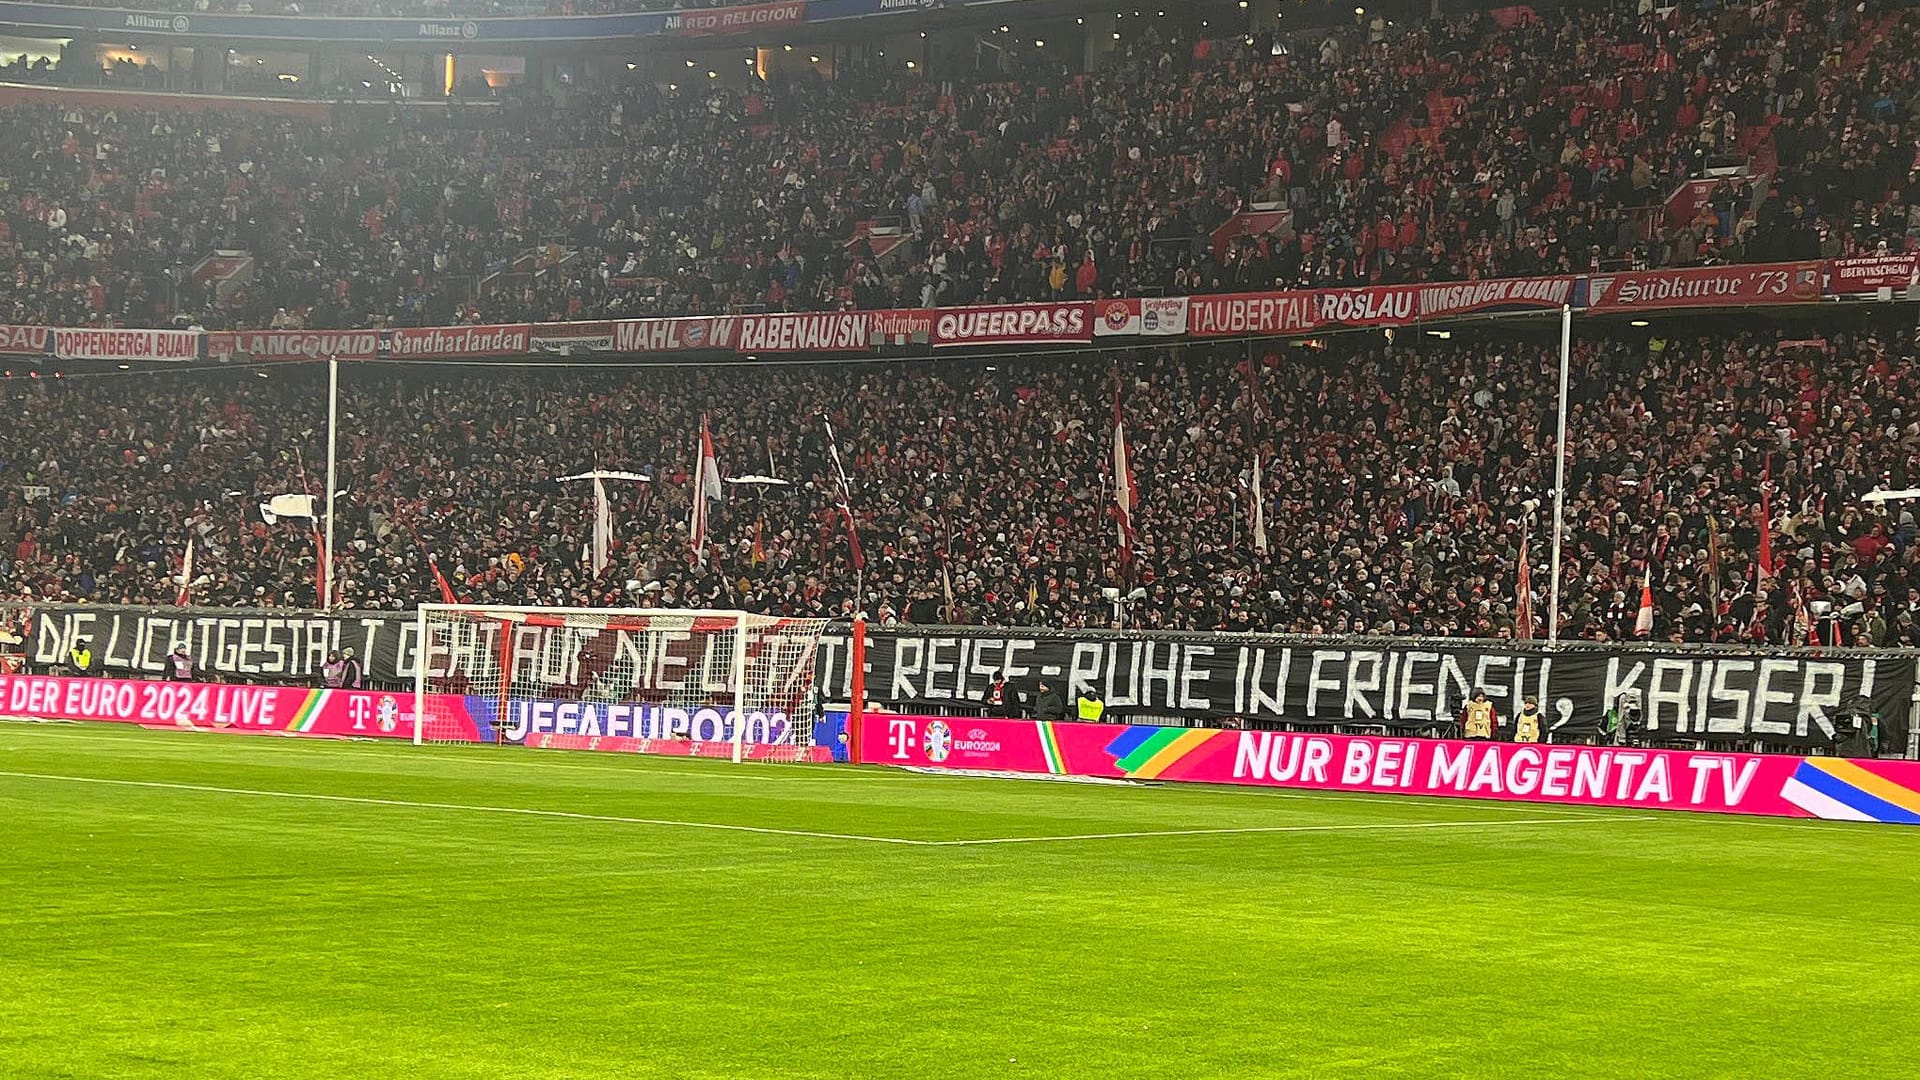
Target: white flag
{"type": "Point", "coordinates": [287, 506]}
{"type": "Point", "coordinates": [1259, 508]}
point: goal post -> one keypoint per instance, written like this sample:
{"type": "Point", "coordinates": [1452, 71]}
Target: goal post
{"type": "Point", "coordinates": [687, 682]}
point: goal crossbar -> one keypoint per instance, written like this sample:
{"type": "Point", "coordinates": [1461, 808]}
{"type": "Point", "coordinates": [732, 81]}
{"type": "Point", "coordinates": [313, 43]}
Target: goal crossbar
{"type": "Point", "coordinates": [671, 679]}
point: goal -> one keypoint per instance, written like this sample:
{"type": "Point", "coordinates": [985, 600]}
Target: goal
{"type": "Point", "coordinates": [692, 683]}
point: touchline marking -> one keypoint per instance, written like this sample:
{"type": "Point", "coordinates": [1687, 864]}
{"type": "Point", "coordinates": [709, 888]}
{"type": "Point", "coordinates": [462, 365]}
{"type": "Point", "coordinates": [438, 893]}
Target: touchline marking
{"type": "Point", "coordinates": [521, 810]}
{"type": "Point", "coordinates": [514, 756]}
{"type": "Point", "coordinates": [1351, 827]}
{"type": "Point", "coordinates": [573, 815]}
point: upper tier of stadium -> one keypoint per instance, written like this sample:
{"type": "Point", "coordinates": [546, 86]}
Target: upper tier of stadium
{"type": "Point", "coordinates": [1456, 149]}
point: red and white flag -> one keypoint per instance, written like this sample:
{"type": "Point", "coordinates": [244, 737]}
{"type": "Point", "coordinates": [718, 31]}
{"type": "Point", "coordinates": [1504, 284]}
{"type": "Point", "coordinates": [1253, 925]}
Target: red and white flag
{"type": "Point", "coordinates": [1763, 569]}
{"type": "Point", "coordinates": [185, 595]}
{"type": "Point", "coordinates": [843, 498]}
{"type": "Point", "coordinates": [706, 485]}
{"type": "Point", "coordinates": [1123, 492]}
{"type": "Point", "coordinates": [447, 595]}
{"type": "Point", "coordinates": [1643, 622]}
{"type": "Point", "coordinates": [602, 527]}
{"type": "Point", "coordinates": [1523, 597]}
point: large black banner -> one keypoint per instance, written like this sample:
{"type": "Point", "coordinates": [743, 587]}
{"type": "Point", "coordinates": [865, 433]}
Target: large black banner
{"type": "Point", "coordinates": [1782, 698]}
{"type": "Point", "coordinates": [1785, 698]}
{"type": "Point", "coordinates": [244, 645]}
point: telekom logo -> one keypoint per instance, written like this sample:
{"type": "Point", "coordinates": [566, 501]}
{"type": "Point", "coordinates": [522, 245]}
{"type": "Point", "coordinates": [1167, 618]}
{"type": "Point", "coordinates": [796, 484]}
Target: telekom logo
{"type": "Point", "coordinates": [361, 710]}
{"type": "Point", "coordinates": [900, 737]}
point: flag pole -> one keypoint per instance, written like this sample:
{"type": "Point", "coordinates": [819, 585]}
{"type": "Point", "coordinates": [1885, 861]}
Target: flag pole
{"type": "Point", "coordinates": [1560, 476]}
{"type": "Point", "coordinates": [333, 460]}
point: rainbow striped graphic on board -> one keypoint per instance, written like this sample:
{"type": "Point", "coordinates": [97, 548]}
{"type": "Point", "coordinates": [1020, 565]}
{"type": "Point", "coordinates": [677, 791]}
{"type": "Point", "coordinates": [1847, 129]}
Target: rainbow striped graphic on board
{"type": "Point", "coordinates": [1841, 790]}
{"type": "Point", "coordinates": [1143, 753]}
{"type": "Point", "coordinates": [1050, 748]}
{"type": "Point", "coordinates": [309, 711]}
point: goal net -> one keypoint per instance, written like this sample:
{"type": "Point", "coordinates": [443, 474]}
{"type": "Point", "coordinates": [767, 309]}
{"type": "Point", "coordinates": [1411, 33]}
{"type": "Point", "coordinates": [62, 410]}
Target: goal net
{"type": "Point", "coordinates": [689, 683]}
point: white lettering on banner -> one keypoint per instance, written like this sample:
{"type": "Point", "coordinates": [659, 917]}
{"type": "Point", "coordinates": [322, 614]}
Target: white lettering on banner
{"type": "Point", "coordinates": [672, 335]}
{"type": "Point", "coordinates": [1272, 313]}
{"type": "Point", "coordinates": [295, 344]}
{"type": "Point", "coordinates": [1454, 299]}
{"type": "Point", "coordinates": [1732, 285]}
{"type": "Point", "coordinates": [126, 344]}
{"type": "Point", "coordinates": [175, 24]}
{"type": "Point", "coordinates": [1390, 305]}
{"type": "Point", "coordinates": [738, 18]}
{"type": "Point", "coordinates": [1416, 687]}
{"type": "Point", "coordinates": [839, 330]}
{"type": "Point", "coordinates": [902, 326]}
{"type": "Point", "coordinates": [708, 723]}
{"type": "Point", "coordinates": [150, 703]}
{"type": "Point", "coordinates": [1501, 769]}
{"type": "Point", "coordinates": [465, 30]}
{"type": "Point", "coordinates": [1026, 322]}
{"type": "Point", "coordinates": [457, 341]}
{"type": "Point", "coordinates": [1735, 696]}
{"type": "Point", "coordinates": [1870, 272]}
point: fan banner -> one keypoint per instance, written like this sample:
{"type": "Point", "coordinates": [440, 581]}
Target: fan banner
{"type": "Point", "coordinates": [571, 339]}
{"type": "Point", "coordinates": [1705, 286]}
{"type": "Point", "coordinates": [529, 721]}
{"type": "Point", "coordinates": [1501, 294]}
{"type": "Point", "coordinates": [734, 20]}
{"type": "Point", "coordinates": [1014, 324]}
{"type": "Point", "coordinates": [1153, 316]}
{"type": "Point", "coordinates": [126, 344]}
{"type": "Point", "coordinates": [673, 335]}
{"type": "Point", "coordinates": [1239, 314]}
{"type": "Point", "coordinates": [1774, 785]}
{"type": "Point", "coordinates": [832, 331]}
{"type": "Point", "coordinates": [264, 646]}
{"type": "Point", "coordinates": [449, 342]}
{"type": "Point", "coordinates": [1792, 700]}
{"type": "Point", "coordinates": [283, 710]}
{"type": "Point", "coordinates": [293, 345]}
{"type": "Point", "coordinates": [25, 340]}
{"type": "Point", "coordinates": [1873, 272]}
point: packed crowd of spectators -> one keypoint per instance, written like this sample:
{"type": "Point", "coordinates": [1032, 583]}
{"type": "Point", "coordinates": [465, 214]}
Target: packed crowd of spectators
{"type": "Point", "coordinates": [1456, 149]}
{"type": "Point", "coordinates": [1400, 485]}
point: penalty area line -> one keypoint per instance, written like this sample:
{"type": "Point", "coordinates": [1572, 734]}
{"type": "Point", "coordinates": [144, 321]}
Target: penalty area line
{"type": "Point", "coordinates": [571, 815]}
{"type": "Point", "coordinates": [1346, 827]}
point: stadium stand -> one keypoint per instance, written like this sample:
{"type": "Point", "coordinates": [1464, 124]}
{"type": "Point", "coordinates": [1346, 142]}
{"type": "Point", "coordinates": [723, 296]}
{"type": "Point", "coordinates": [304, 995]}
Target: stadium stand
{"type": "Point", "coordinates": [1462, 149]}
{"type": "Point", "coordinates": [1399, 481]}
{"type": "Point", "coordinates": [1402, 477]}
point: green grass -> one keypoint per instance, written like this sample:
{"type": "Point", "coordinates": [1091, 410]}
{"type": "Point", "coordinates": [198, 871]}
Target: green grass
{"type": "Point", "coordinates": [167, 931]}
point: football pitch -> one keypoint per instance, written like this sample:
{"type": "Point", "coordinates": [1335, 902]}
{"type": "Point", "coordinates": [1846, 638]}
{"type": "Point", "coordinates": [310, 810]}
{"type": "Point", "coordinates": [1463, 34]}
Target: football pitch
{"type": "Point", "coordinates": [189, 905]}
